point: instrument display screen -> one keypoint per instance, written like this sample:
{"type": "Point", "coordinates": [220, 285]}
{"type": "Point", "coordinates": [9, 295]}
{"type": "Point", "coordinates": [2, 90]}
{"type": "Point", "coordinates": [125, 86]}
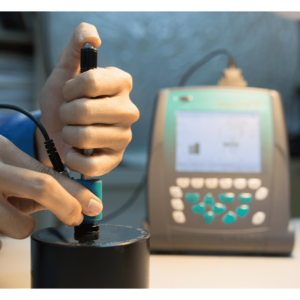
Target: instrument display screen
{"type": "Point", "coordinates": [218, 142]}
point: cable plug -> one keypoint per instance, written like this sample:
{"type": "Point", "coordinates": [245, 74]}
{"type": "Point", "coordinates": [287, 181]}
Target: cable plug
{"type": "Point", "coordinates": [55, 158]}
{"type": "Point", "coordinates": [232, 77]}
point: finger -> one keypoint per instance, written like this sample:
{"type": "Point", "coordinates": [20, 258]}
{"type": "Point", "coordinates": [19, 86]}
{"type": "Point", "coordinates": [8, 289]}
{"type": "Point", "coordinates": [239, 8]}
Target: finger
{"type": "Point", "coordinates": [97, 136]}
{"type": "Point", "coordinates": [70, 58]}
{"type": "Point", "coordinates": [98, 82]}
{"type": "Point", "coordinates": [101, 162]}
{"type": "Point", "coordinates": [42, 188]}
{"type": "Point", "coordinates": [13, 222]}
{"type": "Point", "coordinates": [13, 156]}
{"type": "Point", "coordinates": [118, 110]}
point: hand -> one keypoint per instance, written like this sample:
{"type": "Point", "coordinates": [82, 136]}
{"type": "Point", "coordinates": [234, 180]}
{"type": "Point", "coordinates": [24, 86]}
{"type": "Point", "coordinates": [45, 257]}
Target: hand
{"type": "Point", "coordinates": [27, 186]}
{"type": "Point", "coordinates": [75, 121]}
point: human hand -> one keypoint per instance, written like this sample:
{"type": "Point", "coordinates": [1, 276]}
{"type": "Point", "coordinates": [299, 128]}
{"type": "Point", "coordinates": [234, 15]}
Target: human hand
{"type": "Point", "coordinates": [27, 186]}
{"type": "Point", "coordinates": [75, 121]}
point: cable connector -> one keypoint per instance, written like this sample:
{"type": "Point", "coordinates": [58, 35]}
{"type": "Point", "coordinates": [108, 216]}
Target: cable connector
{"type": "Point", "coordinates": [232, 77]}
{"type": "Point", "coordinates": [55, 158]}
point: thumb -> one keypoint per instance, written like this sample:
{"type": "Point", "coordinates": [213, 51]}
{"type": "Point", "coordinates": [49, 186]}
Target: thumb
{"type": "Point", "coordinates": [70, 58]}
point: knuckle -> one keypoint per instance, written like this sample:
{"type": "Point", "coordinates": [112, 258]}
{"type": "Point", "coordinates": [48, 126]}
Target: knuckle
{"type": "Point", "coordinates": [43, 185]}
{"type": "Point", "coordinates": [127, 81]}
{"type": "Point", "coordinates": [90, 81]}
{"type": "Point", "coordinates": [81, 111]}
{"type": "Point", "coordinates": [85, 135]}
{"type": "Point", "coordinates": [134, 113]}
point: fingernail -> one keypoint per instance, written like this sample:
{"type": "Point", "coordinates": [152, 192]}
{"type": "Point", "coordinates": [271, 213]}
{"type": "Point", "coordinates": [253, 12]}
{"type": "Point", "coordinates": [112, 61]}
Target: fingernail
{"type": "Point", "coordinates": [95, 206]}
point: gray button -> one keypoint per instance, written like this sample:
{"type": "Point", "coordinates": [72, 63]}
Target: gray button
{"type": "Point", "coordinates": [261, 193]}
{"type": "Point", "coordinates": [225, 183]}
{"type": "Point", "coordinates": [197, 183]}
{"type": "Point", "coordinates": [239, 183]}
{"type": "Point", "coordinates": [183, 182]}
{"type": "Point", "coordinates": [175, 191]}
{"type": "Point", "coordinates": [254, 183]}
{"type": "Point", "coordinates": [258, 218]}
{"type": "Point", "coordinates": [178, 216]}
{"type": "Point", "coordinates": [177, 204]}
{"type": "Point", "coordinates": [211, 183]}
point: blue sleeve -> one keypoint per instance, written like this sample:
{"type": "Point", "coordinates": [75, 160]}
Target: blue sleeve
{"type": "Point", "coordinates": [19, 129]}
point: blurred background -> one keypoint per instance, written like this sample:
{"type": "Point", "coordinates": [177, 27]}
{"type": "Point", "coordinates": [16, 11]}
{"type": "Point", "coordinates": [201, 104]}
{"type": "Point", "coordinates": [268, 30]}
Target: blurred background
{"type": "Point", "coordinates": [156, 48]}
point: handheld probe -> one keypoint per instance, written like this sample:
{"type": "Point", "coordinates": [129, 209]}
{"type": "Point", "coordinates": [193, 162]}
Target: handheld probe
{"type": "Point", "coordinates": [88, 230]}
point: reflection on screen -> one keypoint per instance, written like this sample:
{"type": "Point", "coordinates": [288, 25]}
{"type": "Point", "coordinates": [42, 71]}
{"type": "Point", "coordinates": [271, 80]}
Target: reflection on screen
{"type": "Point", "coordinates": [218, 142]}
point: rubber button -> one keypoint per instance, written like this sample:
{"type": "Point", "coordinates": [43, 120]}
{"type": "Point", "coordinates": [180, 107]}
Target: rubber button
{"type": "Point", "coordinates": [242, 210]}
{"type": "Point", "coordinates": [192, 197]}
{"type": "Point", "coordinates": [258, 218]}
{"type": "Point", "coordinates": [175, 191]}
{"type": "Point", "coordinates": [177, 204]}
{"type": "Point", "coordinates": [245, 197]}
{"type": "Point", "coordinates": [183, 182]}
{"type": "Point", "coordinates": [227, 197]}
{"type": "Point", "coordinates": [219, 208]}
{"type": "Point", "coordinates": [178, 217]}
{"type": "Point", "coordinates": [261, 193]}
{"type": "Point", "coordinates": [198, 208]}
{"type": "Point", "coordinates": [208, 217]}
{"type": "Point", "coordinates": [197, 183]}
{"type": "Point", "coordinates": [209, 199]}
{"type": "Point", "coordinates": [229, 218]}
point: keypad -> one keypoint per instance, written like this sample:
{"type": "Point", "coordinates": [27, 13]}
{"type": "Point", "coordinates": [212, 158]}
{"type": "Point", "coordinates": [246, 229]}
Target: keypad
{"type": "Point", "coordinates": [177, 204]}
{"type": "Point", "coordinates": [197, 183]}
{"type": "Point", "coordinates": [219, 208]}
{"type": "Point", "coordinates": [225, 183]}
{"type": "Point", "coordinates": [192, 197]}
{"type": "Point", "coordinates": [209, 199]}
{"type": "Point", "coordinates": [227, 197]}
{"type": "Point", "coordinates": [229, 218]}
{"type": "Point", "coordinates": [211, 183]}
{"type": "Point", "coordinates": [258, 218]}
{"type": "Point", "coordinates": [254, 183]}
{"type": "Point", "coordinates": [198, 208]}
{"type": "Point", "coordinates": [183, 182]}
{"type": "Point", "coordinates": [209, 217]}
{"type": "Point", "coordinates": [240, 183]}
{"type": "Point", "coordinates": [211, 205]}
{"type": "Point", "coordinates": [175, 191]}
{"type": "Point", "coordinates": [261, 193]}
{"type": "Point", "coordinates": [178, 216]}
{"type": "Point", "coordinates": [242, 210]}
{"type": "Point", "coordinates": [245, 197]}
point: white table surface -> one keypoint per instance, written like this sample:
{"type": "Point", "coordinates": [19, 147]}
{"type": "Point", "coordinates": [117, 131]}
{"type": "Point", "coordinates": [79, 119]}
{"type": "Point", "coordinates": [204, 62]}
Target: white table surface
{"type": "Point", "coordinates": [179, 271]}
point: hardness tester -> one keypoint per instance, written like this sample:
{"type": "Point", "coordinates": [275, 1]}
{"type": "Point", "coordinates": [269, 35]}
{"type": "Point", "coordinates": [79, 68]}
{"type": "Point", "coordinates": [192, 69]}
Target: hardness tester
{"type": "Point", "coordinates": [218, 175]}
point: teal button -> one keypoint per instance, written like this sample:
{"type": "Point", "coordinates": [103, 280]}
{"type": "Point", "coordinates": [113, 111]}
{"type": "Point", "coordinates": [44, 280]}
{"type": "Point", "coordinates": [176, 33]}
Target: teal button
{"type": "Point", "coordinates": [219, 208]}
{"type": "Point", "coordinates": [242, 210]}
{"type": "Point", "coordinates": [199, 208]}
{"type": "Point", "coordinates": [209, 199]}
{"type": "Point", "coordinates": [192, 197]}
{"type": "Point", "coordinates": [229, 218]}
{"type": "Point", "coordinates": [208, 217]}
{"type": "Point", "coordinates": [227, 197]}
{"type": "Point", "coordinates": [245, 197]}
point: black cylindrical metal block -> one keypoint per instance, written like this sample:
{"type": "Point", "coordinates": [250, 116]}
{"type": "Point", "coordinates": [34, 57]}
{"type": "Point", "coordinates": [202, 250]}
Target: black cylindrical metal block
{"type": "Point", "coordinates": [118, 259]}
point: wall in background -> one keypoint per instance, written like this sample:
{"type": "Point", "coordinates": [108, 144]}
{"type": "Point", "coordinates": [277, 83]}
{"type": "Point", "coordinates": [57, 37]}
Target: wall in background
{"type": "Point", "coordinates": [156, 48]}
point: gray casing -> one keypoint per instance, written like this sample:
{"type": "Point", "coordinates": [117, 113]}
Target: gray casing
{"type": "Point", "coordinates": [275, 237]}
